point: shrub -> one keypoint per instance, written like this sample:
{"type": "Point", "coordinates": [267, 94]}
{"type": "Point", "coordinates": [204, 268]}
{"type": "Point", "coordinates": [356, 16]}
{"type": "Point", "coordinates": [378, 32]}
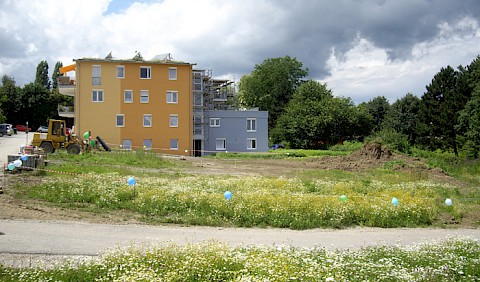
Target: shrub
{"type": "Point", "coordinates": [392, 139]}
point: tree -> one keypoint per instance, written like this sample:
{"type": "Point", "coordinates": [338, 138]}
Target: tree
{"type": "Point", "coordinates": [40, 105]}
{"type": "Point", "coordinates": [378, 107]}
{"type": "Point", "coordinates": [271, 85]}
{"type": "Point", "coordinates": [315, 119]}
{"type": "Point", "coordinates": [439, 110]}
{"type": "Point", "coordinates": [403, 117]}
{"type": "Point", "coordinates": [469, 123]}
{"type": "Point", "coordinates": [10, 99]}
{"type": "Point", "coordinates": [56, 74]}
{"type": "Point", "coordinates": [41, 77]}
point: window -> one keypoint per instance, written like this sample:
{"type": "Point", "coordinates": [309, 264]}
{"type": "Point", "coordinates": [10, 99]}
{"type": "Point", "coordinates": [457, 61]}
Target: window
{"type": "Point", "coordinates": [128, 96]}
{"type": "Point", "coordinates": [145, 72]}
{"type": "Point", "coordinates": [147, 144]}
{"type": "Point", "coordinates": [197, 84]}
{"type": "Point", "coordinates": [251, 124]}
{"type": "Point", "coordinates": [120, 120]}
{"type": "Point", "coordinates": [97, 95]}
{"type": "Point", "coordinates": [251, 143]}
{"type": "Point", "coordinates": [173, 144]}
{"type": "Point", "coordinates": [120, 71]}
{"type": "Point", "coordinates": [127, 144]}
{"type": "Point", "coordinates": [221, 143]}
{"type": "Point", "coordinates": [96, 75]}
{"type": "Point", "coordinates": [172, 97]}
{"type": "Point", "coordinates": [147, 120]}
{"type": "Point", "coordinates": [173, 120]}
{"type": "Point", "coordinates": [197, 99]}
{"type": "Point", "coordinates": [214, 122]}
{"type": "Point", "coordinates": [172, 73]}
{"type": "Point", "coordinates": [143, 96]}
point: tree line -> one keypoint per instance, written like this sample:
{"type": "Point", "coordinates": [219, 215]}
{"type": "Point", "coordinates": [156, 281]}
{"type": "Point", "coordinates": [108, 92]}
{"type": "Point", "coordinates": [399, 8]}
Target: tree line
{"type": "Point", "coordinates": [35, 102]}
{"type": "Point", "coordinates": [305, 114]}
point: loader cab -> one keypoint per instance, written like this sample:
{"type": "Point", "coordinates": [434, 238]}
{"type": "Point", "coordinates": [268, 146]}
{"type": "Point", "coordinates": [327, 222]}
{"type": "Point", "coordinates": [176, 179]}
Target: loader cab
{"type": "Point", "coordinates": [57, 127]}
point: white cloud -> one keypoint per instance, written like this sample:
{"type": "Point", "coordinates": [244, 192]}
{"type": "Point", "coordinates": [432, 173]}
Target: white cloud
{"type": "Point", "coordinates": [365, 71]}
{"type": "Point", "coordinates": [230, 37]}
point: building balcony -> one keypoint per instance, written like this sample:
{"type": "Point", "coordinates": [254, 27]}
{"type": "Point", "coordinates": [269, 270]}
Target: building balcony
{"type": "Point", "coordinates": [66, 111]}
{"type": "Point", "coordinates": [66, 86]}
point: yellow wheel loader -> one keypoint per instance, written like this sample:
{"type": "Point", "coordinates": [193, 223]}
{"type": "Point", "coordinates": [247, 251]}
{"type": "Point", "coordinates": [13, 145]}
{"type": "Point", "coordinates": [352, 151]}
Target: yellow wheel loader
{"type": "Point", "coordinates": [57, 137]}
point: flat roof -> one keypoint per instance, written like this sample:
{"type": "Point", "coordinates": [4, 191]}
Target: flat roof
{"type": "Point", "coordinates": [159, 62]}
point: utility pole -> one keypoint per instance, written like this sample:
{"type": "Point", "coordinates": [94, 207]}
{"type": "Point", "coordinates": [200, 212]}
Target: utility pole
{"type": "Point", "coordinates": [26, 134]}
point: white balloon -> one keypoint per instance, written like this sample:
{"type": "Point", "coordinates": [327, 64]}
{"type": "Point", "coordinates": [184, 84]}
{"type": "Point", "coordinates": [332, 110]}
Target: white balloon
{"type": "Point", "coordinates": [448, 202]}
{"type": "Point", "coordinates": [17, 163]}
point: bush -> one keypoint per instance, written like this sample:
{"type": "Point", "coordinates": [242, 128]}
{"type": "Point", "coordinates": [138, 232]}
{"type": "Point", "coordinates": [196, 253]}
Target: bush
{"type": "Point", "coordinates": [392, 139]}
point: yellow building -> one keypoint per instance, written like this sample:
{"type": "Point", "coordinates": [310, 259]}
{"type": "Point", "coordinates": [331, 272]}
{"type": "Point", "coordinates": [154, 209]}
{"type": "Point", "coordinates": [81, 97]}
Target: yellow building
{"type": "Point", "coordinates": [134, 104]}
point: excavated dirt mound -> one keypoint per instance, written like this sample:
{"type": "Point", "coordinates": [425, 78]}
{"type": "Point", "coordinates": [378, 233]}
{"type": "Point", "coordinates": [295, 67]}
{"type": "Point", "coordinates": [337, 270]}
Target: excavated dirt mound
{"type": "Point", "coordinates": [373, 151]}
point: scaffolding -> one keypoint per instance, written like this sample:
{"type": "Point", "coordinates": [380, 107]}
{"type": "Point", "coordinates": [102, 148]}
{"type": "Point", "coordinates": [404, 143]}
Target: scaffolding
{"type": "Point", "coordinates": [209, 94]}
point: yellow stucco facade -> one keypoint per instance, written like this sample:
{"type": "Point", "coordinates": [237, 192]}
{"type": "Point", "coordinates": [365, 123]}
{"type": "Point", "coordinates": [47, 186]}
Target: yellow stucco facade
{"type": "Point", "coordinates": [125, 102]}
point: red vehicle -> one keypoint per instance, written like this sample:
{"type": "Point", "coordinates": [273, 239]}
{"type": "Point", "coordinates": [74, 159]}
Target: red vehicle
{"type": "Point", "coordinates": [21, 127]}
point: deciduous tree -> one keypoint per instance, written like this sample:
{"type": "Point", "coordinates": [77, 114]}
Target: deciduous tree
{"type": "Point", "coordinates": [271, 85]}
{"type": "Point", "coordinates": [403, 116]}
{"type": "Point", "coordinates": [378, 107]}
{"type": "Point", "coordinates": [315, 119]}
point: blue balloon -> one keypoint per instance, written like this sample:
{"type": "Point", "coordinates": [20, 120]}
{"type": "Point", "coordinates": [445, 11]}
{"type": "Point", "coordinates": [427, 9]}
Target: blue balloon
{"type": "Point", "coordinates": [228, 195]}
{"type": "Point", "coordinates": [448, 202]}
{"type": "Point", "coordinates": [24, 157]}
{"type": "Point", "coordinates": [394, 201]}
{"type": "Point", "coordinates": [131, 181]}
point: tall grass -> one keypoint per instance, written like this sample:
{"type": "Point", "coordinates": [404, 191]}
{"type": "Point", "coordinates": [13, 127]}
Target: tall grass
{"type": "Point", "coordinates": [257, 201]}
{"type": "Point", "coordinates": [453, 259]}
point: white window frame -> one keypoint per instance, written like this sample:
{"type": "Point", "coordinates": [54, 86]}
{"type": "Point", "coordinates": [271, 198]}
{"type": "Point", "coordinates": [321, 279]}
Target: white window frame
{"type": "Point", "coordinates": [127, 144]}
{"type": "Point", "coordinates": [197, 81]}
{"type": "Point", "coordinates": [173, 117]}
{"type": "Point", "coordinates": [143, 94]}
{"type": "Point", "coordinates": [175, 140]}
{"type": "Point", "coordinates": [170, 76]}
{"type": "Point", "coordinates": [172, 97]}
{"type": "Point", "coordinates": [251, 125]}
{"type": "Point", "coordinates": [125, 96]}
{"type": "Point", "coordinates": [96, 77]}
{"type": "Point", "coordinates": [147, 144]}
{"type": "Point", "coordinates": [95, 96]}
{"type": "Point", "coordinates": [144, 119]}
{"type": "Point", "coordinates": [122, 68]}
{"type": "Point", "coordinates": [214, 122]}
{"type": "Point", "coordinates": [148, 73]}
{"type": "Point", "coordinates": [224, 143]}
{"type": "Point", "coordinates": [197, 98]}
{"type": "Point", "coordinates": [251, 142]}
{"type": "Point", "coordinates": [117, 121]}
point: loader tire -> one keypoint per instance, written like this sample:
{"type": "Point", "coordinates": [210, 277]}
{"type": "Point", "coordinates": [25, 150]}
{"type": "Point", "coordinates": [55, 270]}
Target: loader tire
{"type": "Point", "coordinates": [74, 149]}
{"type": "Point", "coordinates": [47, 147]}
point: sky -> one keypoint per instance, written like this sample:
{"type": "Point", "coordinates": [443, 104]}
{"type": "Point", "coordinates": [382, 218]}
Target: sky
{"type": "Point", "coordinates": [362, 49]}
